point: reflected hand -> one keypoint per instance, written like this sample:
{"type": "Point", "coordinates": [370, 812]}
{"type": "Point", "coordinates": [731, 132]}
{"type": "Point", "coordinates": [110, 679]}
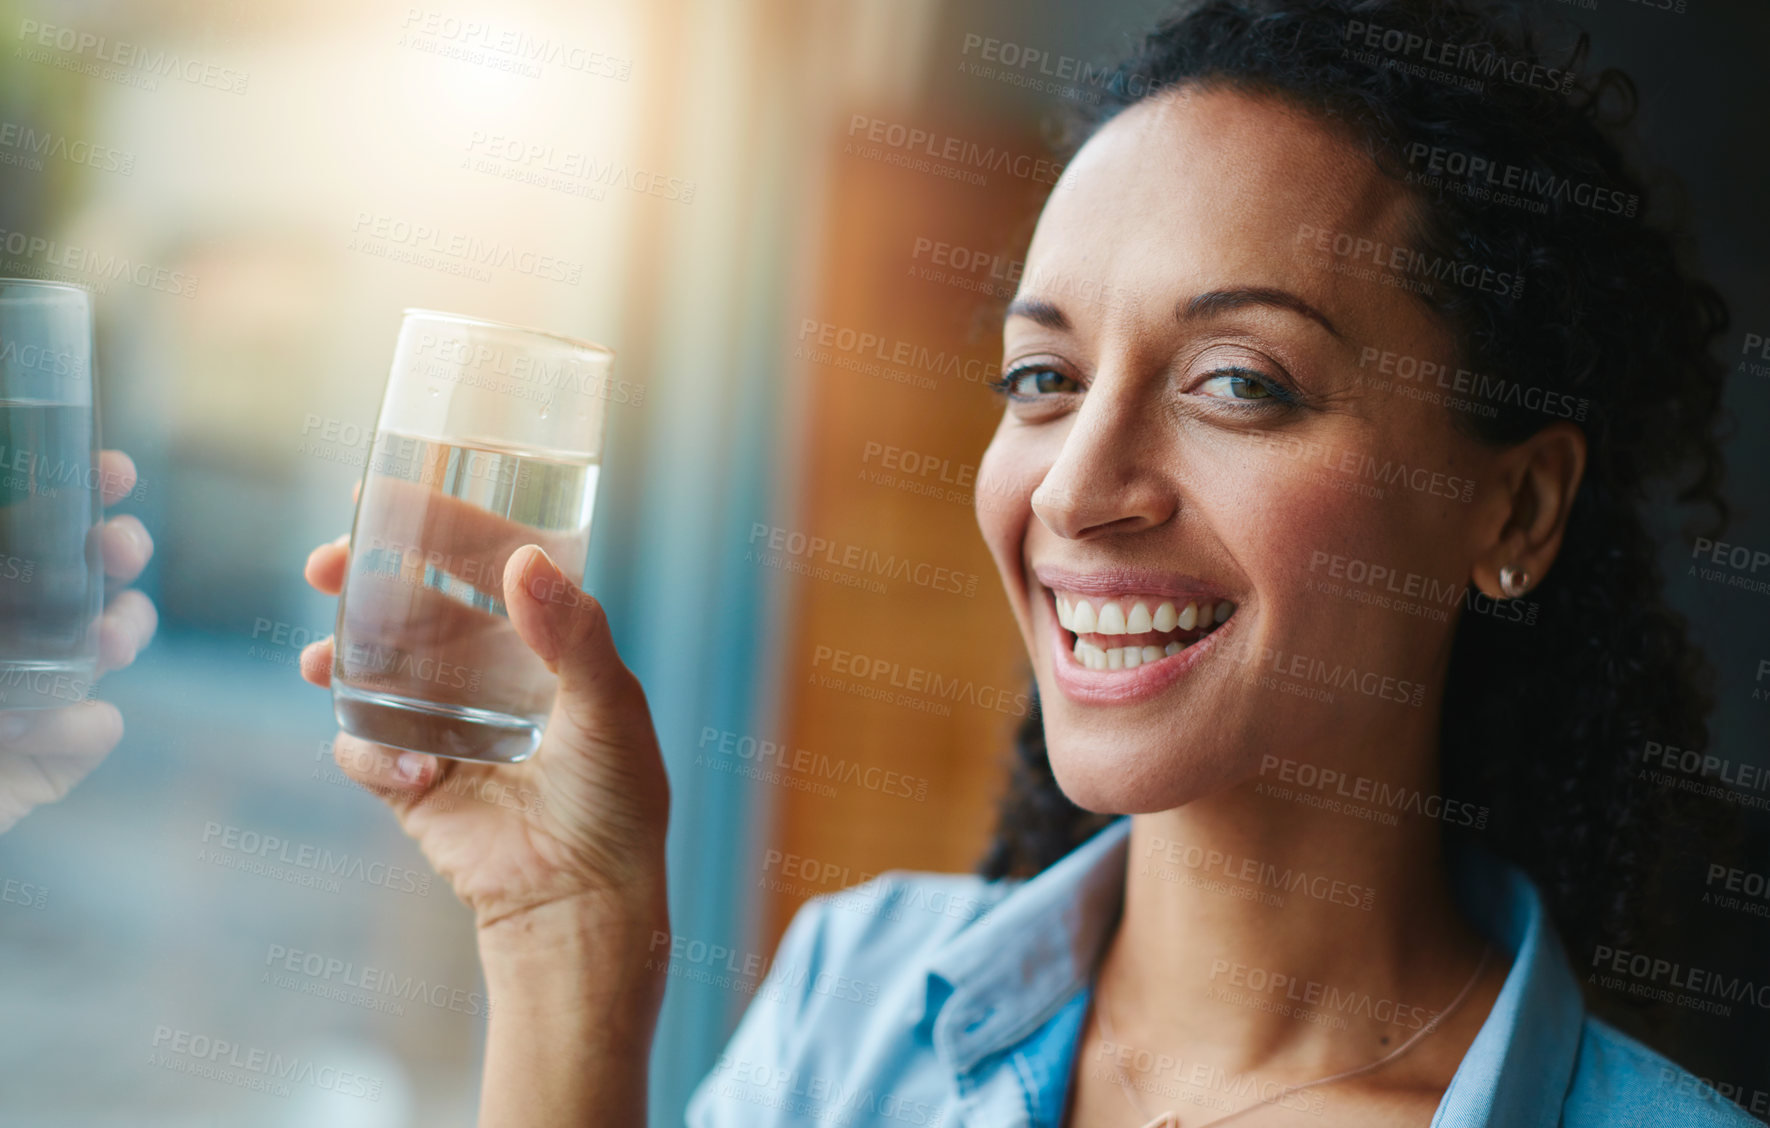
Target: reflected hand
{"type": "Point", "coordinates": [586, 829]}
{"type": "Point", "coordinates": [45, 752]}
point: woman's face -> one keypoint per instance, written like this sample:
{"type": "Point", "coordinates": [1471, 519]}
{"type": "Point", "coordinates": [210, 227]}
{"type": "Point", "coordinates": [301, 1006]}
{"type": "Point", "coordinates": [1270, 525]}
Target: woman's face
{"type": "Point", "coordinates": [1210, 446]}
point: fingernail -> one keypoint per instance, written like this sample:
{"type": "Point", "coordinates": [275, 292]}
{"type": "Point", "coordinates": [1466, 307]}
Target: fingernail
{"type": "Point", "coordinates": [409, 767]}
{"type": "Point", "coordinates": [542, 576]}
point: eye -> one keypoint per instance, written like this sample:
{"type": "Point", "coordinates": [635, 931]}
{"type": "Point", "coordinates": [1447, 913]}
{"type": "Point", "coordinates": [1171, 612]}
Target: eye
{"type": "Point", "coordinates": [1030, 381]}
{"type": "Point", "coordinates": [1241, 384]}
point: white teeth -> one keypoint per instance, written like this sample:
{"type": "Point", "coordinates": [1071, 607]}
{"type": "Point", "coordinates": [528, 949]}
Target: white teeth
{"type": "Point", "coordinates": [1166, 618]}
{"type": "Point", "coordinates": [1224, 610]}
{"type": "Point", "coordinates": [1112, 619]}
{"type": "Point", "coordinates": [1139, 621]}
{"type": "Point", "coordinates": [1065, 613]}
{"type": "Point", "coordinates": [1082, 620]}
{"type": "Point", "coordinates": [1189, 617]}
{"type": "Point", "coordinates": [1121, 657]}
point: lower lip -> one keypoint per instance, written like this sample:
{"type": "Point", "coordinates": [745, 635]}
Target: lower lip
{"type": "Point", "coordinates": [1120, 687]}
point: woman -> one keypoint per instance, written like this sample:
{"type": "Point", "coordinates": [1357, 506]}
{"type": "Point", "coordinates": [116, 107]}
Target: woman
{"type": "Point", "coordinates": [1317, 501]}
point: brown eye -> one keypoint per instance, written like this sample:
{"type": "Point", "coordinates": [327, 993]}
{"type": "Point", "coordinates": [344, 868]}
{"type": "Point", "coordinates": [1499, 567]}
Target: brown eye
{"type": "Point", "coordinates": [1241, 384]}
{"type": "Point", "coordinates": [1035, 380]}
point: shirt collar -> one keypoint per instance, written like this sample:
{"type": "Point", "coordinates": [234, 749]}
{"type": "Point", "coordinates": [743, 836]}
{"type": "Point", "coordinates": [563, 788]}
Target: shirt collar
{"type": "Point", "coordinates": [997, 982]}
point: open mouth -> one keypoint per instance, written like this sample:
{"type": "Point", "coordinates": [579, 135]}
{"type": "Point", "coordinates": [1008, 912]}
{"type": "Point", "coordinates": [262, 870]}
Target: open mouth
{"type": "Point", "coordinates": [1125, 632]}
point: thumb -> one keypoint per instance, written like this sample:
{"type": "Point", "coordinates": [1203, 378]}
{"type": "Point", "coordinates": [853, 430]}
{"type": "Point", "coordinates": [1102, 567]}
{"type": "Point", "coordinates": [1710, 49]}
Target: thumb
{"type": "Point", "coordinates": [568, 630]}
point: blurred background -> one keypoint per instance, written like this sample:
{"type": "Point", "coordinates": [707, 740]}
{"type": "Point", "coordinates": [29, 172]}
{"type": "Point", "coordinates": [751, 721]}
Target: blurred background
{"type": "Point", "coordinates": [806, 312]}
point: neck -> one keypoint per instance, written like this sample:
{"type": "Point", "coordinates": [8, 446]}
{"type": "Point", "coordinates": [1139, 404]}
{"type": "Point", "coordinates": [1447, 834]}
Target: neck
{"type": "Point", "coordinates": [1261, 932]}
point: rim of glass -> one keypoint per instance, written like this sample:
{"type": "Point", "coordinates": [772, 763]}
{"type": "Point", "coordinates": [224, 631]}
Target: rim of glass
{"type": "Point", "coordinates": [486, 322]}
{"type": "Point", "coordinates": [45, 284]}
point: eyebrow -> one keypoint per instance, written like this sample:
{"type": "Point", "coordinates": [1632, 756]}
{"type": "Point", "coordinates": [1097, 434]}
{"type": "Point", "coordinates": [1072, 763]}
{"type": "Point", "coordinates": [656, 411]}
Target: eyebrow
{"type": "Point", "coordinates": [1204, 305]}
{"type": "Point", "coordinates": [1040, 312]}
{"type": "Point", "coordinates": [1222, 301]}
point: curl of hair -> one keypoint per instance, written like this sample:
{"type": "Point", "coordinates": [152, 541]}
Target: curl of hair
{"type": "Point", "coordinates": [1544, 725]}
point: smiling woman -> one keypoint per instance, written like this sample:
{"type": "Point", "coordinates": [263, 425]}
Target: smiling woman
{"type": "Point", "coordinates": [1318, 500]}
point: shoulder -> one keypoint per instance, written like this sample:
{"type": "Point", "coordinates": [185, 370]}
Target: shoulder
{"type": "Point", "coordinates": [885, 928]}
{"type": "Point", "coordinates": [1620, 1083]}
{"type": "Point", "coordinates": [840, 1006]}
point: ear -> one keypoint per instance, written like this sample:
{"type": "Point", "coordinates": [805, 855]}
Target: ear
{"type": "Point", "coordinates": [1541, 476]}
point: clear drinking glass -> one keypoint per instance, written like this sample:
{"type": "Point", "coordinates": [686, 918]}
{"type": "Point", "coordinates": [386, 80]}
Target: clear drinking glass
{"type": "Point", "coordinates": [490, 438]}
{"type": "Point", "coordinates": [51, 569]}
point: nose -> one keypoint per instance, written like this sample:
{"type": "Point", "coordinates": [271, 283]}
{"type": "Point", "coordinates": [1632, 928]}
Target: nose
{"type": "Point", "coordinates": [1106, 478]}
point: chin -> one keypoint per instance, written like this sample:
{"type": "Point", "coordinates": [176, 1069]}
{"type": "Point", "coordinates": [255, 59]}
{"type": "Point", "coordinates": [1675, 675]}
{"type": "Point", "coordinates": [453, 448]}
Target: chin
{"type": "Point", "coordinates": [1110, 774]}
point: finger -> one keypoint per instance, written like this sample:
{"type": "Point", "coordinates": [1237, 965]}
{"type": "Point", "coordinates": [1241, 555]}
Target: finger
{"type": "Point", "coordinates": [116, 472]}
{"type": "Point", "coordinates": [316, 662]}
{"type": "Point", "coordinates": [124, 630]}
{"type": "Point", "coordinates": [454, 535]}
{"type": "Point", "coordinates": [568, 630]}
{"type": "Point", "coordinates": [89, 729]}
{"type": "Point", "coordinates": [126, 547]}
{"type": "Point", "coordinates": [400, 777]}
{"type": "Point", "coordinates": [326, 564]}
{"type": "Point", "coordinates": [51, 752]}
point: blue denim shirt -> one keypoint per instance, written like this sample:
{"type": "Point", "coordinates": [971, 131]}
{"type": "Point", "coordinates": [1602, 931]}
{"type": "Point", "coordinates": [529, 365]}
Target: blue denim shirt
{"type": "Point", "coordinates": [943, 999]}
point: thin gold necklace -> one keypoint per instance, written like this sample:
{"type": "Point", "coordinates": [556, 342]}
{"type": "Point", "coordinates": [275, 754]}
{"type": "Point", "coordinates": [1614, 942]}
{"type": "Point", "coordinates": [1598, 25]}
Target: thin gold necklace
{"type": "Point", "coordinates": [1171, 1119]}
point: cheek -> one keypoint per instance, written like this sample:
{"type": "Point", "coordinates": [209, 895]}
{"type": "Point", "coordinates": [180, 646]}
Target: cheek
{"type": "Point", "coordinates": [1007, 474]}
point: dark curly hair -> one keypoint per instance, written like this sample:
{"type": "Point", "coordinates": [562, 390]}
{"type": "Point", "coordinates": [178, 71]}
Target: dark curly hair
{"type": "Point", "coordinates": [1544, 725]}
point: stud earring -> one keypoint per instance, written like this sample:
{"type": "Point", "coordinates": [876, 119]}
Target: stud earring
{"type": "Point", "coordinates": [1514, 581]}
